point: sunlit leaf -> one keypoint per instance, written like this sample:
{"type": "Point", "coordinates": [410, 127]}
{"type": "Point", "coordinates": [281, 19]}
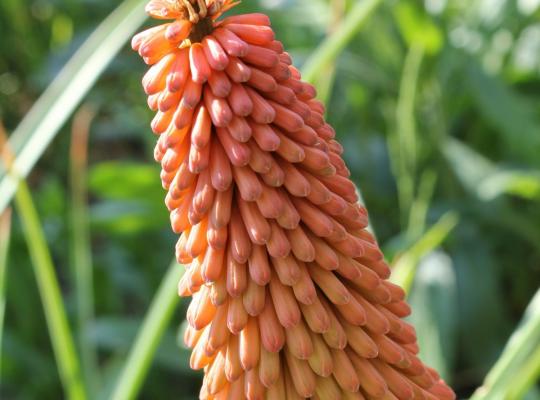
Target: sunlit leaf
{"type": "Point", "coordinates": [520, 346]}
{"type": "Point", "coordinates": [524, 184]}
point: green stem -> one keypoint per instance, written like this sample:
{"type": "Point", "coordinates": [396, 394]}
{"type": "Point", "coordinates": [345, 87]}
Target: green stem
{"type": "Point", "coordinates": [155, 323]}
{"type": "Point", "coordinates": [49, 290]}
{"type": "Point", "coordinates": [81, 247]}
{"type": "Point", "coordinates": [334, 44]}
{"type": "Point", "coordinates": [5, 233]}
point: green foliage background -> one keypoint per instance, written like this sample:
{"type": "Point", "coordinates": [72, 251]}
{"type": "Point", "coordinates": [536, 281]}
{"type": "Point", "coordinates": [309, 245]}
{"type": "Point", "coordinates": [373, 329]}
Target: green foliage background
{"type": "Point", "coordinates": [438, 106]}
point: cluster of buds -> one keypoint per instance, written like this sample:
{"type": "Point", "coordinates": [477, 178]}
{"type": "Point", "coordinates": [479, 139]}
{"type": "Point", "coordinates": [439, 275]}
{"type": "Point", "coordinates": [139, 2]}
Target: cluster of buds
{"type": "Point", "coordinates": [290, 297]}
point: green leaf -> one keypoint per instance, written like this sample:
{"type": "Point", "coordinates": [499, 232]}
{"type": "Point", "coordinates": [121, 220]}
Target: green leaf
{"type": "Point", "coordinates": [522, 183]}
{"type": "Point", "coordinates": [526, 378]}
{"type": "Point", "coordinates": [53, 108]}
{"type": "Point", "coordinates": [483, 178]}
{"type": "Point", "coordinates": [434, 301]}
{"type": "Point", "coordinates": [473, 171]}
{"type": "Point", "coordinates": [510, 115]}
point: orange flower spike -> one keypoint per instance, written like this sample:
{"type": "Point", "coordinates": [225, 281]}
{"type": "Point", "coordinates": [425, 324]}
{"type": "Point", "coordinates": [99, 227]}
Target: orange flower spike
{"type": "Point", "coordinates": [290, 298]}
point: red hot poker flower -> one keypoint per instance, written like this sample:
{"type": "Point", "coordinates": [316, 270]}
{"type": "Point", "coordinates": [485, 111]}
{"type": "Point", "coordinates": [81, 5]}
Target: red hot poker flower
{"type": "Point", "coordinates": [290, 297]}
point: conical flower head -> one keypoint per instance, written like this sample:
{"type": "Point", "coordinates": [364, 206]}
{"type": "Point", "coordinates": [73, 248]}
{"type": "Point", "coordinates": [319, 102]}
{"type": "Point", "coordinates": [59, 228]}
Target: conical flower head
{"type": "Point", "coordinates": [290, 297]}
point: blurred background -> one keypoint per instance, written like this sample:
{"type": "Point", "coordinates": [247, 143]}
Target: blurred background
{"type": "Point", "coordinates": [437, 103]}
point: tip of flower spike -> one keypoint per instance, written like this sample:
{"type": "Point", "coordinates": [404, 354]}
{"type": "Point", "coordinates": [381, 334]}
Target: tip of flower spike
{"type": "Point", "coordinates": [192, 10]}
{"type": "Point", "coordinates": [164, 9]}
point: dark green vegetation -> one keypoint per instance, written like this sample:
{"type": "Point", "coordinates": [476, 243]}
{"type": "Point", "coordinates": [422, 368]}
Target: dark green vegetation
{"type": "Point", "coordinates": [438, 107]}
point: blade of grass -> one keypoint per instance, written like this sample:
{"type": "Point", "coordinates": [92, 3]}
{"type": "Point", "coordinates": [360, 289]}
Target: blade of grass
{"type": "Point", "coordinates": [434, 301]}
{"type": "Point", "coordinates": [420, 205]}
{"type": "Point", "coordinates": [472, 169]}
{"type": "Point", "coordinates": [156, 321]}
{"type": "Point", "coordinates": [51, 110]}
{"type": "Point", "coordinates": [49, 289]}
{"type": "Point", "coordinates": [5, 234]}
{"type": "Point", "coordinates": [332, 46]}
{"type": "Point", "coordinates": [526, 378]}
{"type": "Point", "coordinates": [81, 247]}
{"type": "Point", "coordinates": [403, 143]}
{"type": "Point", "coordinates": [324, 82]}
{"type": "Point", "coordinates": [523, 342]}
{"type": "Point", "coordinates": [405, 268]}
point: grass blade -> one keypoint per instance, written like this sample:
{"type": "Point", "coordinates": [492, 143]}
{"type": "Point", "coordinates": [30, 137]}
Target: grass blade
{"type": "Point", "coordinates": [523, 342]}
{"type": "Point", "coordinates": [51, 110]}
{"type": "Point", "coordinates": [405, 142]}
{"type": "Point", "coordinates": [405, 267]}
{"type": "Point", "coordinates": [81, 247]}
{"type": "Point", "coordinates": [49, 289]}
{"type": "Point", "coordinates": [434, 300]}
{"type": "Point", "coordinates": [156, 321]}
{"type": "Point", "coordinates": [5, 233]}
{"type": "Point", "coordinates": [526, 378]}
{"type": "Point", "coordinates": [332, 46]}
